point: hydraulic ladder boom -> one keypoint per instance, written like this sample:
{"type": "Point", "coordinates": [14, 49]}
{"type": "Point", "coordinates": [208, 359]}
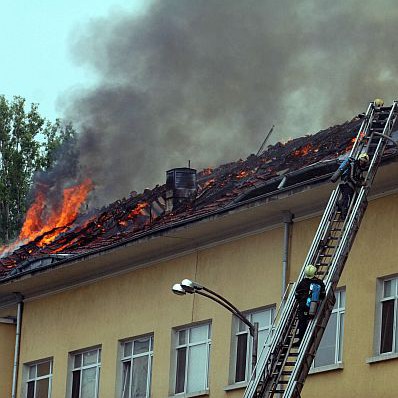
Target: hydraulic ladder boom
{"type": "Point", "coordinates": [282, 369]}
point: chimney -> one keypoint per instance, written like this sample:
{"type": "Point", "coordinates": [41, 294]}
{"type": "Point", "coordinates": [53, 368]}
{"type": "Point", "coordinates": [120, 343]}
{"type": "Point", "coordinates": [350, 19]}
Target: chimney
{"type": "Point", "coordinates": [180, 187]}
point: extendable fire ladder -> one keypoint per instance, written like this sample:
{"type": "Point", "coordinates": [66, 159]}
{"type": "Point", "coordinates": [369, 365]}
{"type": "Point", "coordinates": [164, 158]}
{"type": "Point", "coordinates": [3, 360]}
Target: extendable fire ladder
{"type": "Point", "coordinates": [281, 369]}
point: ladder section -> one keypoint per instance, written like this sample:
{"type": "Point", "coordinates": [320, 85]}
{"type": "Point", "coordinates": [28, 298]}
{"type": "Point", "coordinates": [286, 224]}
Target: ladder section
{"type": "Point", "coordinates": [282, 368]}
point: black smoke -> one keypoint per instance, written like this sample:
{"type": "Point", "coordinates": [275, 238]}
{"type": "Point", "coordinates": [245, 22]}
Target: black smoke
{"type": "Point", "coordinates": [205, 79]}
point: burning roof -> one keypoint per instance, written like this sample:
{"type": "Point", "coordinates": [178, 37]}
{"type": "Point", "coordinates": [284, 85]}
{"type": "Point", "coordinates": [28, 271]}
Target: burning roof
{"type": "Point", "coordinates": [281, 166]}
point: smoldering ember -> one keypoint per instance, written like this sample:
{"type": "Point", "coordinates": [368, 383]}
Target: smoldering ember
{"type": "Point", "coordinates": [307, 160]}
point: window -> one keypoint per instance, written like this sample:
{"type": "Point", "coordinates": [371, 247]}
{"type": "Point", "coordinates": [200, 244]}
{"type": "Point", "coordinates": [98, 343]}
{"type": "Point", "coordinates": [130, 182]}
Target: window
{"type": "Point", "coordinates": [85, 374]}
{"type": "Point", "coordinates": [330, 349]}
{"type": "Point", "coordinates": [137, 367]}
{"type": "Point", "coordinates": [39, 380]}
{"type": "Point", "coordinates": [244, 341]}
{"type": "Point", "coordinates": [192, 354]}
{"type": "Point", "coordinates": [388, 309]}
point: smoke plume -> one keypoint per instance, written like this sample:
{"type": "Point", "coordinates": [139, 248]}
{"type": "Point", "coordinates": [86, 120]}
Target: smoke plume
{"type": "Point", "coordinates": [205, 80]}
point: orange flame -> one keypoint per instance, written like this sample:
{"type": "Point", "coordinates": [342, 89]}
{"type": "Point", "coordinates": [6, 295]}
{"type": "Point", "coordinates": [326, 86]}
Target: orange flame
{"type": "Point", "coordinates": [303, 150]}
{"type": "Point", "coordinates": [139, 209]}
{"type": "Point", "coordinates": [354, 140]}
{"type": "Point", "coordinates": [207, 171]}
{"type": "Point", "coordinates": [37, 223]}
{"type": "Point", "coordinates": [242, 174]}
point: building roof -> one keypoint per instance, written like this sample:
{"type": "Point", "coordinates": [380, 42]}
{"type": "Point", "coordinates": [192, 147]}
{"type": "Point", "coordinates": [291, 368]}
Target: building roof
{"type": "Point", "coordinates": [283, 166]}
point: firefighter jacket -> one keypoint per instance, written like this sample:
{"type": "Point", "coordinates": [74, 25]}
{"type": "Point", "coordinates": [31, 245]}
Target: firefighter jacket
{"type": "Point", "coordinates": [303, 291]}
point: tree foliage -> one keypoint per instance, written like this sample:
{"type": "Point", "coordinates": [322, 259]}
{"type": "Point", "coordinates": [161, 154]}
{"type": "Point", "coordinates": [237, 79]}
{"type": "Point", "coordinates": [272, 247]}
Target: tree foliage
{"type": "Point", "coordinates": [28, 142]}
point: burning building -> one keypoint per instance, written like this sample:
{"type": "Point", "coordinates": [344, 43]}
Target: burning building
{"type": "Point", "coordinates": [94, 286]}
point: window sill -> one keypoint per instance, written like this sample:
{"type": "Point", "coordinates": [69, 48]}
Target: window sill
{"type": "Point", "coordinates": [236, 386]}
{"type": "Point", "coordinates": [382, 357]}
{"type": "Point", "coordinates": [191, 394]}
{"type": "Point", "coordinates": [326, 368]}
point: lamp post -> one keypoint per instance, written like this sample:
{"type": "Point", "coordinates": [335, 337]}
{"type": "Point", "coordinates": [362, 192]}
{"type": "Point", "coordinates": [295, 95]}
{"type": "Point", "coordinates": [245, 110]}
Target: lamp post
{"type": "Point", "coordinates": [191, 287]}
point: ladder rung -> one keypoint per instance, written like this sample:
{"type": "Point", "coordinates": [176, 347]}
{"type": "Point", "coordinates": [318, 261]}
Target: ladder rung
{"type": "Point", "coordinates": [335, 229]}
{"type": "Point", "coordinates": [290, 363]}
{"type": "Point", "coordinates": [321, 264]}
{"type": "Point", "coordinates": [293, 354]}
{"type": "Point", "coordinates": [283, 381]}
{"type": "Point", "coordinates": [329, 246]}
{"type": "Point", "coordinates": [279, 391]}
{"type": "Point", "coordinates": [325, 255]}
{"type": "Point", "coordinates": [283, 373]}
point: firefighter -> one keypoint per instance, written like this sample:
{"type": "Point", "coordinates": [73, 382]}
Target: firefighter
{"type": "Point", "coordinates": [351, 172]}
{"type": "Point", "coordinates": [308, 293]}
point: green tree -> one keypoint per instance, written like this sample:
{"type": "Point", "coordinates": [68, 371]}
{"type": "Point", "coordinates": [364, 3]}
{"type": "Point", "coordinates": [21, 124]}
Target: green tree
{"type": "Point", "coordinates": [28, 142]}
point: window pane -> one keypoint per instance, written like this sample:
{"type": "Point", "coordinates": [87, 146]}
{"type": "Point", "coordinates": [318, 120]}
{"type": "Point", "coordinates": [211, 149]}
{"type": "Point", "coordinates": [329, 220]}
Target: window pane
{"type": "Point", "coordinates": [262, 336]}
{"type": "Point", "coordinates": [342, 298]}
{"type": "Point", "coordinates": [242, 326]}
{"type": "Point", "coordinates": [78, 361]}
{"type": "Point", "coordinates": [387, 289]}
{"type": "Point", "coordinates": [141, 346]}
{"type": "Point", "coordinates": [76, 384]}
{"type": "Point", "coordinates": [90, 357]}
{"type": "Point", "coordinates": [241, 352]}
{"type": "Point", "coordinates": [182, 339]}
{"type": "Point", "coordinates": [42, 388]}
{"type": "Point", "coordinates": [263, 318]}
{"type": "Point", "coordinates": [327, 347]}
{"type": "Point", "coordinates": [43, 369]}
{"type": "Point", "coordinates": [197, 368]}
{"type": "Point", "coordinates": [126, 380]}
{"type": "Point", "coordinates": [140, 377]}
{"type": "Point", "coordinates": [198, 334]}
{"type": "Point", "coordinates": [387, 320]}
{"type": "Point", "coordinates": [88, 383]}
{"type": "Point", "coordinates": [127, 349]}
{"type": "Point", "coordinates": [180, 372]}
{"type": "Point", "coordinates": [32, 372]}
{"type": "Point", "coordinates": [341, 340]}
{"type": "Point", "coordinates": [31, 390]}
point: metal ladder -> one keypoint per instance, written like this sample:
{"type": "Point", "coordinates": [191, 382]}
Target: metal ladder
{"type": "Point", "coordinates": [281, 369]}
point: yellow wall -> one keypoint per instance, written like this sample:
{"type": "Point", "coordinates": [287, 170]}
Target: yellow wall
{"type": "Point", "coordinates": [246, 271]}
{"type": "Point", "coordinates": [7, 344]}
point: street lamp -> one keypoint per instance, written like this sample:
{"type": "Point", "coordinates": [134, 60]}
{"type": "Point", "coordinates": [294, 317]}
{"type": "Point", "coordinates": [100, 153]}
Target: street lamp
{"type": "Point", "coordinates": [191, 287]}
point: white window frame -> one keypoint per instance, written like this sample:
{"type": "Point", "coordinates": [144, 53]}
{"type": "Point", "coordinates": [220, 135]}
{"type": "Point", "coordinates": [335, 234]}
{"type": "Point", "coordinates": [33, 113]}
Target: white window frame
{"type": "Point", "coordinates": [36, 378]}
{"type": "Point", "coordinates": [249, 341]}
{"type": "Point", "coordinates": [130, 359]}
{"type": "Point", "coordinates": [383, 299]}
{"type": "Point", "coordinates": [96, 365]}
{"type": "Point", "coordinates": [338, 309]}
{"type": "Point", "coordinates": [188, 345]}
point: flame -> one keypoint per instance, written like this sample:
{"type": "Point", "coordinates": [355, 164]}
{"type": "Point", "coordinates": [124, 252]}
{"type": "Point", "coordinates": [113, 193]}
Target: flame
{"type": "Point", "coordinates": [138, 210]}
{"type": "Point", "coordinates": [354, 140]}
{"type": "Point", "coordinates": [242, 174]}
{"type": "Point", "coordinates": [207, 171]}
{"type": "Point", "coordinates": [37, 222]}
{"type": "Point", "coordinates": [303, 150]}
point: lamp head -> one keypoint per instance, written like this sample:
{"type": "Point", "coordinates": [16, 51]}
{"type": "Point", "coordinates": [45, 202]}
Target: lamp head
{"type": "Point", "coordinates": [190, 286]}
{"type": "Point", "coordinates": [177, 289]}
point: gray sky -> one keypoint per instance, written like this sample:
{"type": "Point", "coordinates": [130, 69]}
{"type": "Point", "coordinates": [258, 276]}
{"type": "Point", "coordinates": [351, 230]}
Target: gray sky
{"type": "Point", "coordinates": [153, 84]}
{"type": "Point", "coordinates": [35, 43]}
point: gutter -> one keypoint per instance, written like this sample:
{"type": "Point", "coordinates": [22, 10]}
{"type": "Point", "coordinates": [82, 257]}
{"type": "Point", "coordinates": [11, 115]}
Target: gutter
{"type": "Point", "coordinates": [17, 348]}
{"type": "Point", "coordinates": [287, 221]}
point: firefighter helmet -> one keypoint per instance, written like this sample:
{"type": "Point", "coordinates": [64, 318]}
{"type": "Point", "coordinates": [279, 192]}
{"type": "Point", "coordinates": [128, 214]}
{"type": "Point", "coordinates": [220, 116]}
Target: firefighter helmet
{"type": "Point", "coordinates": [378, 102]}
{"type": "Point", "coordinates": [363, 157]}
{"type": "Point", "coordinates": [310, 271]}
